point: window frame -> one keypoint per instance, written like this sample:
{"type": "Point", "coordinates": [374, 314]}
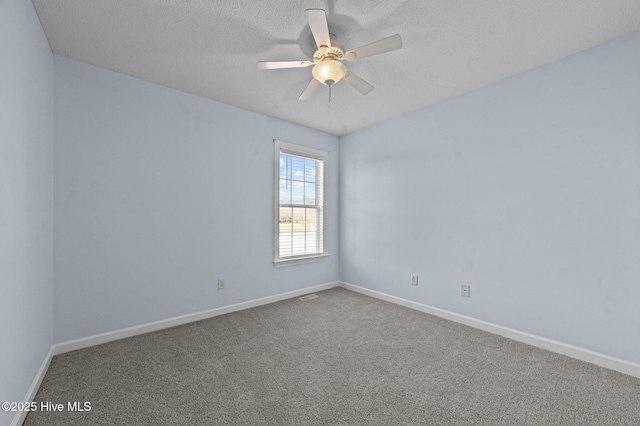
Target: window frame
{"type": "Point", "coordinates": [305, 152]}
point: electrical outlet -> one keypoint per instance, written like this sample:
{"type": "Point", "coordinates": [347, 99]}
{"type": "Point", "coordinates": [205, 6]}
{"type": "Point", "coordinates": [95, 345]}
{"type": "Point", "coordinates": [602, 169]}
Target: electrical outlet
{"type": "Point", "coordinates": [465, 290]}
{"type": "Point", "coordinates": [414, 280]}
{"type": "Point", "coordinates": [220, 283]}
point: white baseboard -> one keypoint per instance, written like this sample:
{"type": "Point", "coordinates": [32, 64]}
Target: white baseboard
{"type": "Point", "coordinates": [110, 336]}
{"type": "Point", "coordinates": [592, 357]}
{"type": "Point", "coordinates": [20, 416]}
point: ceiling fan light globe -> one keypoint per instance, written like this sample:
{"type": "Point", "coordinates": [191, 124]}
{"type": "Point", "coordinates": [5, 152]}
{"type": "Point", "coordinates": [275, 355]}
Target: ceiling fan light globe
{"type": "Point", "coordinates": [329, 71]}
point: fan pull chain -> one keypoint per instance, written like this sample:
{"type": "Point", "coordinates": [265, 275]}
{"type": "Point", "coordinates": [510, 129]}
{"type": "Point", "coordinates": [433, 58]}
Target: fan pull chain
{"type": "Point", "coordinates": [330, 96]}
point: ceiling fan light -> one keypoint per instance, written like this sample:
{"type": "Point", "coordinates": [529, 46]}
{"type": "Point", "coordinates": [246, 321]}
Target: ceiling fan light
{"type": "Point", "coordinates": [329, 71]}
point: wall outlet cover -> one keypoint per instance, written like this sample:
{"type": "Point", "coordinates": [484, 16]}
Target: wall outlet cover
{"type": "Point", "coordinates": [465, 290]}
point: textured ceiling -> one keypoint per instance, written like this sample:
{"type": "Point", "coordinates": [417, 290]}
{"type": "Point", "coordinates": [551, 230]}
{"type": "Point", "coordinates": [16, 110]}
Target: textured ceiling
{"type": "Point", "coordinates": [210, 47]}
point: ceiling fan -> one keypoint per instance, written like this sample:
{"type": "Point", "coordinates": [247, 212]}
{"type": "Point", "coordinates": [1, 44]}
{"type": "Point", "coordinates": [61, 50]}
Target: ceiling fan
{"type": "Point", "coordinates": [328, 68]}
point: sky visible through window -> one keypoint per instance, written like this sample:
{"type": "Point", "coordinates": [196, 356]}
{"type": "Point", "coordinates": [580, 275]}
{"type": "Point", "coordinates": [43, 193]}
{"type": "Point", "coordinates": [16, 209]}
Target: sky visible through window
{"type": "Point", "coordinates": [297, 180]}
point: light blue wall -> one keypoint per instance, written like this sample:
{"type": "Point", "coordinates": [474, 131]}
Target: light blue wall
{"type": "Point", "coordinates": [26, 199]}
{"type": "Point", "coordinates": [528, 190]}
{"type": "Point", "coordinates": [159, 193]}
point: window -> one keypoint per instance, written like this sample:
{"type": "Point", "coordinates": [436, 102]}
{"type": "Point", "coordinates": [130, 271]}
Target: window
{"type": "Point", "coordinates": [299, 218]}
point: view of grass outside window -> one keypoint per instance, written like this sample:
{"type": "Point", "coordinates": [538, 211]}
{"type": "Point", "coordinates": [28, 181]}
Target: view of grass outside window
{"type": "Point", "coordinates": [300, 205]}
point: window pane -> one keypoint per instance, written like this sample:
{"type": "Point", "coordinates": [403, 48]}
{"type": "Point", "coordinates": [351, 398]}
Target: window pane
{"type": "Point", "coordinates": [297, 168]}
{"type": "Point", "coordinates": [310, 194]}
{"type": "Point", "coordinates": [285, 231]}
{"type": "Point", "coordinates": [283, 166]}
{"type": "Point", "coordinates": [298, 233]}
{"type": "Point", "coordinates": [285, 192]}
{"type": "Point", "coordinates": [310, 170]}
{"type": "Point", "coordinates": [297, 192]}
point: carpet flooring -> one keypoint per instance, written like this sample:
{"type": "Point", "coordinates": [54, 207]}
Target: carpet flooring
{"type": "Point", "coordinates": [340, 359]}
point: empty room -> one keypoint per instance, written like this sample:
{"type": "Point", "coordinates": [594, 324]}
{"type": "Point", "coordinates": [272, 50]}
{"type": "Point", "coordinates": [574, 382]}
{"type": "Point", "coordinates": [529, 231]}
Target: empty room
{"type": "Point", "coordinates": [319, 212]}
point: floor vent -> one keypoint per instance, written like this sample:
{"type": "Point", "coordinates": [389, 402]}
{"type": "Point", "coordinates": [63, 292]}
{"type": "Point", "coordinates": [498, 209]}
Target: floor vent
{"type": "Point", "coordinates": [308, 297]}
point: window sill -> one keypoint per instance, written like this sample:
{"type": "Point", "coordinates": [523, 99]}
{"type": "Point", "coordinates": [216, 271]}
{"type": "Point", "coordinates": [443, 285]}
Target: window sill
{"type": "Point", "coordinates": [300, 260]}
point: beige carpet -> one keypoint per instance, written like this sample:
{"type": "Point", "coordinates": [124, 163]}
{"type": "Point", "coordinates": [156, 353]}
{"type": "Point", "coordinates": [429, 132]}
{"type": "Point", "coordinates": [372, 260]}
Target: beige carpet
{"type": "Point", "coordinates": [340, 359]}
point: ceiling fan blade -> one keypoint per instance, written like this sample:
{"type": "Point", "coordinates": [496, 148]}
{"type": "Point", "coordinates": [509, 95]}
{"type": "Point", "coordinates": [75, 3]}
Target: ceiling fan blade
{"type": "Point", "coordinates": [272, 65]}
{"type": "Point", "coordinates": [318, 23]}
{"type": "Point", "coordinates": [357, 83]}
{"type": "Point", "coordinates": [309, 90]}
{"type": "Point", "coordinates": [387, 44]}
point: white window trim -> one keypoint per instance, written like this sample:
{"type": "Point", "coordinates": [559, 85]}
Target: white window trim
{"type": "Point", "coordinates": [303, 151]}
